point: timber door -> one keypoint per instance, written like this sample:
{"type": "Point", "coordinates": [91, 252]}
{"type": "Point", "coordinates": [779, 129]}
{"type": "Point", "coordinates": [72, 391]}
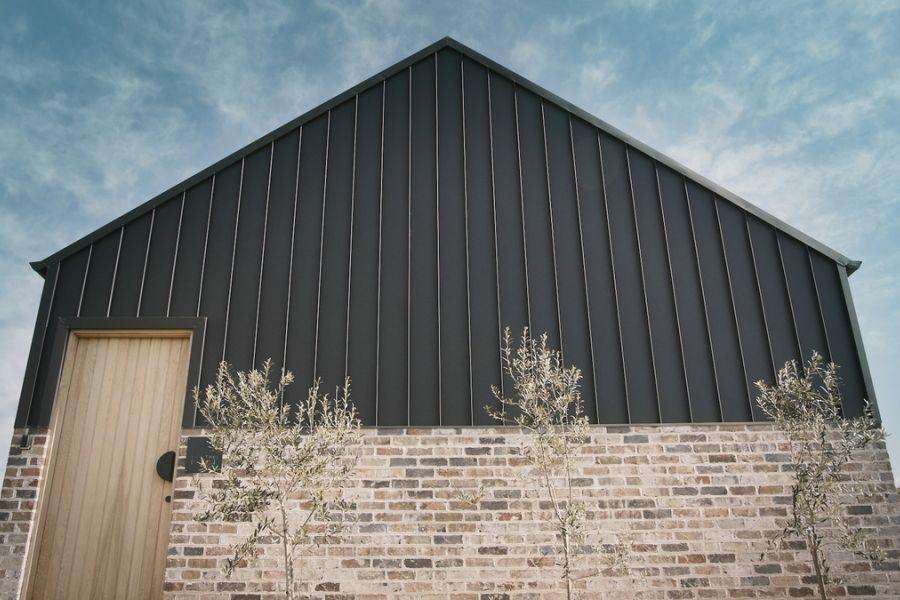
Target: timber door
{"type": "Point", "coordinates": [105, 512]}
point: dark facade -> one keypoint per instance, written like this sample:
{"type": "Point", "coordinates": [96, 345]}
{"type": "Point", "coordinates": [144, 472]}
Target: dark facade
{"type": "Point", "coordinates": [391, 233]}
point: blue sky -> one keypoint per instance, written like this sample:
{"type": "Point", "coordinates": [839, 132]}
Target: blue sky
{"type": "Point", "coordinates": [794, 106]}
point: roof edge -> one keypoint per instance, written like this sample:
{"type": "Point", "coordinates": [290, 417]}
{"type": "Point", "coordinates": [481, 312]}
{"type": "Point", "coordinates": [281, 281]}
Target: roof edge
{"type": "Point", "coordinates": [850, 264]}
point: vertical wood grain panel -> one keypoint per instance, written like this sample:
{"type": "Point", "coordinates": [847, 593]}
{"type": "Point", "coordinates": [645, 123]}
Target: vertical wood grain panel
{"type": "Point", "coordinates": [98, 540]}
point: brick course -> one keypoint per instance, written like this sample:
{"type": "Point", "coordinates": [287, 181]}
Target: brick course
{"type": "Point", "coordinates": [699, 502]}
{"type": "Point", "coordinates": [17, 507]}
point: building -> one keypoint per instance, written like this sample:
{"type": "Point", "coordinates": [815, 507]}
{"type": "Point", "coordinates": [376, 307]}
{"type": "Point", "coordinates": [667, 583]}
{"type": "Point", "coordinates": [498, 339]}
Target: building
{"type": "Point", "coordinates": [390, 234]}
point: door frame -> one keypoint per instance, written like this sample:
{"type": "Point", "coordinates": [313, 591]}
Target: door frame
{"type": "Point", "coordinates": [135, 327]}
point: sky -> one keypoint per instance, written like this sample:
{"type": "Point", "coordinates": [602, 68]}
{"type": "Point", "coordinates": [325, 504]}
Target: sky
{"type": "Point", "coordinates": [795, 106]}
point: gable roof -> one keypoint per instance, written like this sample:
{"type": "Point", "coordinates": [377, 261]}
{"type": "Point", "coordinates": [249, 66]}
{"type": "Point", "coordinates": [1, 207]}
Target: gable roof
{"type": "Point", "coordinates": [448, 42]}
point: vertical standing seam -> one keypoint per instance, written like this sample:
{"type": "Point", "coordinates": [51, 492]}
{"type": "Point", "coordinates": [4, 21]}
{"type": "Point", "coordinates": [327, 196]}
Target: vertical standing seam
{"type": "Point", "coordinates": [522, 205]}
{"type": "Point", "coordinates": [787, 289]}
{"type": "Point", "coordinates": [737, 328]}
{"type": "Point", "coordinates": [637, 236]}
{"type": "Point", "coordinates": [46, 326]}
{"type": "Point", "coordinates": [762, 304]}
{"type": "Point", "coordinates": [175, 256]}
{"type": "Point", "coordinates": [87, 268]}
{"type": "Point", "coordinates": [112, 285]}
{"type": "Point", "coordinates": [552, 231]}
{"type": "Point", "coordinates": [262, 258]}
{"type": "Point", "coordinates": [237, 221]}
{"type": "Point", "coordinates": [612, 265]}
{"type": "Point", "coordinates": [687, 387]}
{"type": "Point", "coordinates": [321, 249]}
{"type": "Point", "coordinates": [212, 189]}
{"type": "Point", "coordinates": [462, 79]}
{"type": "Point", "coordinates": [494, 223]}
{"type": "Point", "coordinates": [409, 90]}
{"type": "Point", "coordinates": [146, 258]}
{"type": "Point", "coordinates": [712, 356]}
{"type": "Point", "coordinates": [812, 272]}
{"type": "Point", "coordinates": [437, 228]}
{"type": "Point", "coordinates": [350, 244]}
{"type": "Point", "coordinates": [587, 295]}
{"type": "Point", "coordinates": [287, 310]}
{"type": "Point", "coordinates": [378, 276]}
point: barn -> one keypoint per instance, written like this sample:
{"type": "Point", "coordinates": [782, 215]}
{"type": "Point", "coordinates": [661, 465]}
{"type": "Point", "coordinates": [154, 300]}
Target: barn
{"type": "Point", "coordinates": [390, 234]}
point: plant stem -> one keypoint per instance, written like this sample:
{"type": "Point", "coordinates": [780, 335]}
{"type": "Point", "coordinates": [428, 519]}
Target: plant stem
{"type": "Point", "coordinates": [288, 563]}
{"type": "Point", "coordinates": [566, 566]}
{"type": "Point", "coordinates": [817, 564]}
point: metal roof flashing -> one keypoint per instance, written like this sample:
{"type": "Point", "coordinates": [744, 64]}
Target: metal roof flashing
{"type": "Point", "coordinates": [851, 265]}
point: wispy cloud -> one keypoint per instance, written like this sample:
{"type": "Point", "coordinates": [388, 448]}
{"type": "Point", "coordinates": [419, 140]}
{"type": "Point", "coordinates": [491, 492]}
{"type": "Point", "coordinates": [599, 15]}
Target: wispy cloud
{"type": "Point", "coordinates": [792, 105]}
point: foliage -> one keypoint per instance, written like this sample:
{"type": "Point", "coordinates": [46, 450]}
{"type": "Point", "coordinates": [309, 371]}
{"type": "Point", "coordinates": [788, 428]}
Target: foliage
{"type": "Point", "coordinates": [284, 470]}
{"type": "Point", "coordinates": [805, 403]}
{"type": "Point", "coordinates": [545, 401]}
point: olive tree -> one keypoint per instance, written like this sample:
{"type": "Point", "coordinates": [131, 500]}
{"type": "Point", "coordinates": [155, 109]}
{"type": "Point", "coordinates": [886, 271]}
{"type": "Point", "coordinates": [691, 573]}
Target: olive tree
{"type": "Point", "coordinates": [805, 404]}
{"type": "Point", "coordinates": [283, 469]}
{"type": "Point", "coordinates": [545, 401]}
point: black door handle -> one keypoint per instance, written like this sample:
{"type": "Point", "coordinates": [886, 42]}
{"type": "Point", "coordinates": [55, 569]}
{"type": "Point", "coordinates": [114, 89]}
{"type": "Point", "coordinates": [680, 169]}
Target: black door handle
{"type": "Point", "coordinates": [165, 465]}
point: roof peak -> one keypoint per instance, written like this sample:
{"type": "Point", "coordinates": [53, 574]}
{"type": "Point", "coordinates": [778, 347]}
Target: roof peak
{"type": "Point", "coordinates": [519, 80]}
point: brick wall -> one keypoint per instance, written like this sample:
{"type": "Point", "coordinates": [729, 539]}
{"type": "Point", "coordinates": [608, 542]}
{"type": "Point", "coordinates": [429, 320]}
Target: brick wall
{"type": "Point", "coordinates": [698, 501]}
{"type": "Point", "coordinates": [17, 507]}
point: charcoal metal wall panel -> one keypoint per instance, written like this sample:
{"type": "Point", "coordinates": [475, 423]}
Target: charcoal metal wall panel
{"type": "Point", "coordinates": [456, 403]}
{"type": "Point", "coordinates": [539, 251]}
{"type": "Point", "coordinates": [240, 325]}
{"type": "Point", "coordinates": [840, 334]}
{"type": "Point", "coordinates": [609, 370]}
{"type": "Point", "coordinates": [639, 373]}
{"type": "Point", "coordinates": [104, 252]}
{"type": "Point", "coordinates": [185, 300]}
{"type": "Point", "coordinates": [573, 314]}
{"type": "Point", "coordinates": [392, 233]}
{"type": "Point", "coordinates": [38, 343]}
{"type": "Point", "coordinates": [665, 335]}
{"type": "Point", "coordinates": [217, 270]}
{"type": "Point", "coordinates": [776, 303]}
{"type": "Point", "coordinates": [424, 329]}
{"type": "Point", "coordinates": [304, 291]}
{"type": "Point", "coordinates": [362, 335]}
{"type": "Point", "coordinates": [747, 301]}
{"type": "Point", "coordinates": [129, 278]}
{"type": "Point", "coordinates": [271, 315]}
{"type": "Point", "coordinates": [802, 293]}
{"type": "Point", "coordinates": [512, 267]}
{"type": "Point", "coordinates": [331, 328]}
{"type": "Point", "coordinates": [66, 297]}
{"type": "Point", "coordinates": [484, 317]}
{"type": "Point", "coordinates": [393, 339]}
{"type": "Point", "coordinates": [727, 360]}
{"type": "Point", "coordinates": [695, 331]}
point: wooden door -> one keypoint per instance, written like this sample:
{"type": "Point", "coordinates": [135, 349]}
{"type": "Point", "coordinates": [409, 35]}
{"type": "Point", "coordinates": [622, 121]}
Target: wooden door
{"type": "Point", "coordinates": [104, 516]}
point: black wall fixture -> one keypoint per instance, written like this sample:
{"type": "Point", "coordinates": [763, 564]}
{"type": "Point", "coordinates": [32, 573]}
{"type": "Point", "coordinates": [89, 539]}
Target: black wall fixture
{"type": "Point", "coordinates": [391, 233]}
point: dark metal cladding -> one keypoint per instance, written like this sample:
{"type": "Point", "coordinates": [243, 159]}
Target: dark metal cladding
{"type": "Point", "coordinates": [393, 286]}
{"type": "Point", "coordinates": [393, 232]}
